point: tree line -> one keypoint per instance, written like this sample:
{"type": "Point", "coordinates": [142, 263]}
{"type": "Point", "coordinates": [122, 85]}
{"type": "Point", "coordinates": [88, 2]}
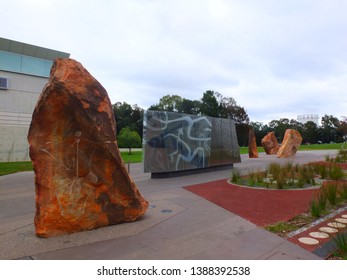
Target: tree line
{"type": "Point", "coordinates": [212, 104]}
{"type": "Point", "coordinates": [331, 130]}
{"type": "Point", "coordinates": [129, 120]}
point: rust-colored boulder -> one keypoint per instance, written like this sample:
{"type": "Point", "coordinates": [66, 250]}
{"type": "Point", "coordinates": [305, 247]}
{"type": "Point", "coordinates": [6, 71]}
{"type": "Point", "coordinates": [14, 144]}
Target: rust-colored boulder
{"type": "Point", "coordinates": [270, 143]}
{"type": "Point", "coordinates": [80, 180]}
{"type": "Point", "coordinates": [291, 142]}
{"type": "Point", "coordinates": [252, 144]}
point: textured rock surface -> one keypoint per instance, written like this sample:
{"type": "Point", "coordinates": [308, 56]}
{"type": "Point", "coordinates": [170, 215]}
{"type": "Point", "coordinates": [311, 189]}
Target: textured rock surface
{"type": "Point", "coordinates": [80, 180]}
{"type": "Point", "coordinates": [252, 144]}
{"type": "Point", "coordinates": [270, 143]}
{"type": "Point", "coordinates": [291, 143]}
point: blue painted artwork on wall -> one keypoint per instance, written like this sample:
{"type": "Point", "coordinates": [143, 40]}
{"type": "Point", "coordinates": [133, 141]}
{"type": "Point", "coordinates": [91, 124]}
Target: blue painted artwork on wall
{"type": "Point", "coordinates": [175, 142]}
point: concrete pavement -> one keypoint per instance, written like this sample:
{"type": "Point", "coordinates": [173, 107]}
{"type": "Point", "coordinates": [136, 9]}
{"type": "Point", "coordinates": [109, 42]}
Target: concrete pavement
{"type": "Point", "coordinates": [177, 225]}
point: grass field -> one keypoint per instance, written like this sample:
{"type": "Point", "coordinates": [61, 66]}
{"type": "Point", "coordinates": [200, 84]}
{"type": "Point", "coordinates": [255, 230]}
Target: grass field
{"type": "Point", "coordinates": [13, 167]}
{"type": "Point", "coordinates": [335, 146]}
{"type": "Point", "coordinates": [136, 156]}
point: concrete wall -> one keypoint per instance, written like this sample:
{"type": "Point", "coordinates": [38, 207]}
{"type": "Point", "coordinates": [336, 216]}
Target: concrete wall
{"type": "Point", "coordinates": [16, 106]}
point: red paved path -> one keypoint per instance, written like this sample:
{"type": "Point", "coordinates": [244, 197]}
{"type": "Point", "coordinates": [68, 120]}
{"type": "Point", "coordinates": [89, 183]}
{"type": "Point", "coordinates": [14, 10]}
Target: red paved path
{"type": "Point", "coordinates": [259, 206]}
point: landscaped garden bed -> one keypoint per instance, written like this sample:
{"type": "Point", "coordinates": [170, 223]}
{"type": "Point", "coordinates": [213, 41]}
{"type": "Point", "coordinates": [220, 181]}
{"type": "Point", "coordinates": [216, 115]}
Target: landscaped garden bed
{"type": "Point", "coordinates": [277, 176]}
{"type": "Point", "coordinates": [329, 179]}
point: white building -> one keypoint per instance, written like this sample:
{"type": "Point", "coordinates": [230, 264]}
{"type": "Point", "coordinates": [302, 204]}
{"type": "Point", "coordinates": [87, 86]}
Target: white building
{"type": "Point", "coordinates": [304, 118]}
{"type": "Point", "coordinates": [24, 71]}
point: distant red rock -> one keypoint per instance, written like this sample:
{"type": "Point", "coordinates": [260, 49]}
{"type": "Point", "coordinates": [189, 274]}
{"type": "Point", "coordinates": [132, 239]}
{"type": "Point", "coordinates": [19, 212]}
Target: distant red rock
{"type": "Point", "coordinates": [291, 143]}
{"type": "Point", "coordinates": [252, 144]}
{"type": "Point", "coordinates": [270, 143]}
{"type": "Point", "coordinates": [80, 180]}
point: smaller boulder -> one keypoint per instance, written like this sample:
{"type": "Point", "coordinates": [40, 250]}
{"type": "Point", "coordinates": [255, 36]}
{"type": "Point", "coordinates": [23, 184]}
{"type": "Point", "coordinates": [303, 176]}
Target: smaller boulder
{"type": "Point", "coordinates": [252, 144]}
{"type": "Point", "coordinates": [270, 143]}
{"type": "Point", "coordinates": [291, 143]}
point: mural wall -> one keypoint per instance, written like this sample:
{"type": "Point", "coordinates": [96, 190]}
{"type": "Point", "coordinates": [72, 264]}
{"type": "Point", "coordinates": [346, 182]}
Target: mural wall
{"type": "Point", "coordinates": [176, 142]}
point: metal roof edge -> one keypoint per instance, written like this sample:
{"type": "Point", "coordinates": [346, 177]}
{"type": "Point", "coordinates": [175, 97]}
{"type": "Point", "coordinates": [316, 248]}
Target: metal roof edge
{"type": "Point", "coordinates": [30, 50]}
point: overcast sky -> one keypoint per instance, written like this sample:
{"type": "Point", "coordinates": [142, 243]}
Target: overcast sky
{"type": "Point", "coordinates": [277, 59]}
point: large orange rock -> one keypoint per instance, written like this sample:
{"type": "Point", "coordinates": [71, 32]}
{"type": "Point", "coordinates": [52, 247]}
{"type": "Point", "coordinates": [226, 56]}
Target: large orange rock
{"type": "Point", "coordinates": [291, 143]}
{"type": "Point", "coordinates": [270, 143]}
{"type": "Point", "coordinates": [80, 180]}
{"type": "Point", "coordinates": [252, 144]}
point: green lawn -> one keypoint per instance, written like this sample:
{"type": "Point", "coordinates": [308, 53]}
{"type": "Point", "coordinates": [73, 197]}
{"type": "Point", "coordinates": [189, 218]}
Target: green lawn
{"type": "Point", "coordinates": [136, 156]}
{"type": "Point", "coordinates": [13, 167]}
{"type": "Point", "coordinates": [335, 146]}
{"type": "Point", "coordinates": [244, 150]}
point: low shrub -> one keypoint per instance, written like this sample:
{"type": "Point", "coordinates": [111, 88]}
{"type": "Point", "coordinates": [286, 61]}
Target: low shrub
{"type": "Point", "coordinates": [341, 242]}
{"type": "Point", "coordinates": [323, 172]}
{"type": "Point", "coordinates": [260, 175]}
{"type": "Point", "coordinates": [315, 209]}
{"type": "Point", "coordinates": [252, 179]}
{"type": "Point", "coordinates": [235, 176]}
{"type": "Point", "coordinates": [335, 172]}
{"type": "Point", "coordinates": [322, 201]}
{"type": "Point", "coordinates": [341, 156]}
{"type": "Point", "coordinates": [330, 192]}
{"type": "Point", "coordinates": [343, 192]}
{"type": "Point", "coordinates": [307, 174]}
{"type": "Point", "coordinates": [274, 169]}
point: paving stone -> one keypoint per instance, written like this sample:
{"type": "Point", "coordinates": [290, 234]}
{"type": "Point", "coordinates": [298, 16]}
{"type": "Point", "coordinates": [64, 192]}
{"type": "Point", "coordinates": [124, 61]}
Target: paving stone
{"type": "Point", "coordinates": [336, 225]}
{"type": "Point", "coordinates": [328, 229]}
{"type": "Point", "coordinates": [317, 234]}
{"type": "Point", "coordinates": [341, 220]}
{"type": "Point", "coordinates": [308, 240]}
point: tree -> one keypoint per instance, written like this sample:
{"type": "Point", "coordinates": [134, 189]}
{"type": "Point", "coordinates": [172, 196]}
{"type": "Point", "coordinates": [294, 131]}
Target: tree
{"type": "Point", "coordinates": [329, 128]}
{"type": "Point", "coordinates": [168, 103]}
{"type": "Point", "coordinates": [188, 106]}
{"type": "Point", "coordinates": [122, 113]}
{"type": "Point", "coordinates": [175, 103]}
{"type": "Point", "coordinates": [239, 115]}
{"type": "Point", "coordinates": [310, 133]}
{"type": "Point", "coordinates": [279, 127]}
{"type": "Point", "coordinates": [214, 104]}
{"type": "Point", "coordinates": [342, 128]}
{"type": "Point", "coordinates": [294, 124]}
{"type": "Point", "coordinates": [136, 119]}
{"type": "Point", "coordinates": [260, 130]}
{"type": "Point", "coordinates": [128, 116]}
{"type": "Point", "coordinates": [209, 105]}
{"type": "Point", "coordinates": [129, 139]}
{"type": "Point", "coordinates": [242, 130]}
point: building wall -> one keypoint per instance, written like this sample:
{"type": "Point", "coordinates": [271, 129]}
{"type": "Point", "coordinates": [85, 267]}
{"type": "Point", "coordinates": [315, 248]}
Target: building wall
{"type": "Point", "coordinates": [27, 69]}
{"type": "Point", "coordinates": [308, 118]}
{"type": "Point", "coordinates": [16, 107]}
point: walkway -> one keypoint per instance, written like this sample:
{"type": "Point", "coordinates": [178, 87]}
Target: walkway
{"type": "Point", "coordinates": [177, 225]}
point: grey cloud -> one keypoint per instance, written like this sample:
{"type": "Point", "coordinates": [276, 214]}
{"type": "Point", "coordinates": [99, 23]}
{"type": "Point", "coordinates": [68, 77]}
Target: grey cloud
{"type": "Point", "coordinates": [276, 58]}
